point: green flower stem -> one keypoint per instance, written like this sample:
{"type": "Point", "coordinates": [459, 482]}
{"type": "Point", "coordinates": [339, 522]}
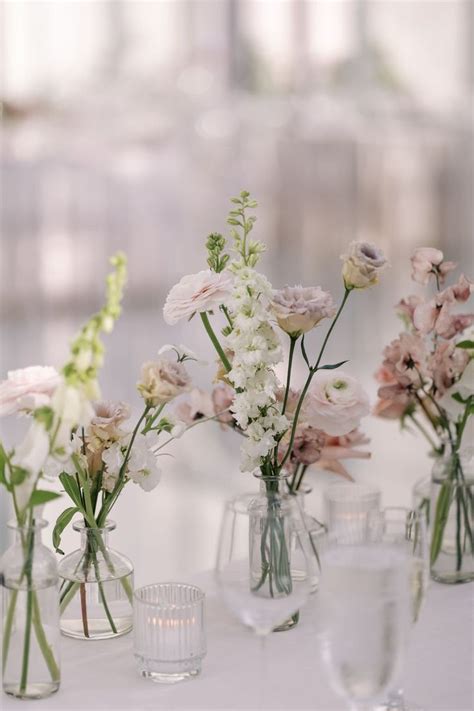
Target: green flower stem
{"type": "Point", "coordinates": [29, 612]}
{"type": "Point", "coordinates": [43, 642]}
{"type": "Point", "coordinates": [8, 627]}
{"type": "Point", "coordinates": [153, 419]}
{"type": "Point", "coordinates": [293, 341]}
{"type": "Point", "coordinates": [215, 341]}
{"type": "Point", "coordinates": [312, 371]}
{"type": "Point", "coordinates": [423, 431]}
{"type": "Point", "coordinates": [68, 595]}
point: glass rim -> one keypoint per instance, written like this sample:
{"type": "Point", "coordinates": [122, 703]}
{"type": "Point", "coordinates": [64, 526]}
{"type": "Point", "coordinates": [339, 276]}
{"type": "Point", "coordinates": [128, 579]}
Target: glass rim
{"type": "Point", "coordinates": [283, 476]}
{"type": "Point", "coordinates": [79, 525]}
{"type": "Point", "coordinates": [37, 523]}
{"type": "Point", "coordinates": [365, 491]}
{"type": "Point", "coordinates": [169, 605]}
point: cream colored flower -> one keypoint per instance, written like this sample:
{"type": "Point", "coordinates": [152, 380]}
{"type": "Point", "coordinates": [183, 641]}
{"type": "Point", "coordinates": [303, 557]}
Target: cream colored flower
{"type": "Point", "coordinates": [335, 403]}
{"type": "Point", "coordinates": [162, 381]}
{"type": "Point", "coordinates": [199, 292]}
{"type": "Point", "coordinates": [28, 388]}
{"type": "Point", "coordinates": [298, 309]}
{"type": "Point", "coordinates": [362, 265]}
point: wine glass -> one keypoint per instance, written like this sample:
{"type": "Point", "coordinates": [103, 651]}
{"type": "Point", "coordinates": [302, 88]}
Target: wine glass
{"type": "Point", "coordinates": [406, 529]}
{"type": "Point", "coordinates": [364, 610]}
{"type": "Point", "coordinates": [254, 572]}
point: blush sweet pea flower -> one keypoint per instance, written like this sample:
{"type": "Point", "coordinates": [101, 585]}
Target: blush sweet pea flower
{"type": "Point", "coordinates": [362, 266]}
{"type": "Point", "coordinates": [28, 388]}
{"type": "Point", "coordinates": [335, 403]}
{"type": "Point", "coordinates": [428, 260]}
{"type": "Point", "coordinates": [197, 293]}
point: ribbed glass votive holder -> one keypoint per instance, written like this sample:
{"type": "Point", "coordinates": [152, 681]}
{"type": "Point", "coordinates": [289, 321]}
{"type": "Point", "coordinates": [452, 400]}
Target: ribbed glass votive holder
{"type": "Point", "coordinates": [169, 631]}
{"type": "Point", "coordinates": [349, 509]}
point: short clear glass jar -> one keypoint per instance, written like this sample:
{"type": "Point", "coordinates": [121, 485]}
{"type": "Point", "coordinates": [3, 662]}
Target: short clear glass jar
{"type": "Point", "coordinates": [31, 667]}
{"type": "Point", "coordinates": [96, 594]}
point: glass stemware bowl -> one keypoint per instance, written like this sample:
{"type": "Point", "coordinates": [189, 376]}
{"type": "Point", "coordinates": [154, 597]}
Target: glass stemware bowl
{"type": "Point", "coordinates": [406, 529]}
{"type": "Point", "coordinates": [364, 610]}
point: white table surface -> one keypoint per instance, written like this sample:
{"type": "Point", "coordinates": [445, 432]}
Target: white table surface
{"type": "Point", "coordinates": [102, 675]}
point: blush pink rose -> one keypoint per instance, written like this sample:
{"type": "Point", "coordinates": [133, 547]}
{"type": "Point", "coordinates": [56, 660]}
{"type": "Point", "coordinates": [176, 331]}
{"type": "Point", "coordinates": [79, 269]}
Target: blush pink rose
{"type": "Point", "coordinates": [199, 292]}
{"type": "Point", "coordinates": [335, 403]}
{"type": "Point", "coordinates": [162, 381]}
{"type": "Point", "coordinates": [28, 388]}
{"type": "Point", "coordinates": [298, 309]}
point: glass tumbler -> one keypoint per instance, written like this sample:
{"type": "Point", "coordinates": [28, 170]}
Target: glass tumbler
{"type": "Point", "coordinates": [349, 509]}
{"type": "Point", "coordinates": [169, 634]}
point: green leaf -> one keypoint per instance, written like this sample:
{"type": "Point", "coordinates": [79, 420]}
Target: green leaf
{"type": "Point", "coordinates": [45, 415]}
{"type": "Point", "coordinates": [63, 520]}
{"type": "Point", "coordinates": [41, 496]}
{"type": "Point", "coordinates": [18, 476]}
{"type": "Point", "coordinates": [441, 518]}
{"type": "Point", "coordinates": [71, 488]}
{"type": "Point", "coordinates": [3, 460]}
{"type": "Point", "coordinates": [465, 344]}
{"type": "Point", "coordinates": [333, 366]}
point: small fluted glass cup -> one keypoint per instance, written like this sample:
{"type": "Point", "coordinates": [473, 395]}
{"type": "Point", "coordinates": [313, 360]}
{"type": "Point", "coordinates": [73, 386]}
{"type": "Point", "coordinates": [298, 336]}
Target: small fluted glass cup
{"type": "Point", "coordinates": [169, 631]}
{"type": "Point", "coordinates": [349, 509]}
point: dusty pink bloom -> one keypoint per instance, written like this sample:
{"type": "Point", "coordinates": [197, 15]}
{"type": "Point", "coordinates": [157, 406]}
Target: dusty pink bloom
{"type": "Point", "coordinates": [444, 268]}
{"type": "Point", "coordinates": [162, 381]}
{"type": "Point", "coordinates": [199, 292]}
{"type": "Point", "coordinates": [28, 388]}
{"type": "Point", "coordinates": [298, 309]}
{"type": "Point", "coordinates": [343, 447]}
{"type": "Point", "coordinates": [447, 364]}
{"type": "Point", "coordinates": [449, 325]}
{"type": "Point", "coordinates": [405, 358]}
{"type": "Point", "coordinates": [109, 415]}
{"type": "Point", "coordinates": [222, 398]}
{"type": "Point", "coordinates": [406, 308]}
{"type": "Point", "coordinates": [390, 409]}
{"type": "Point", "coordinates": [362, 266]}
{"type": "Point", "coordinates": [307, 445]}
{"type": "Point", "coordinates": [291, 402]}
{"type": "Point", "coordinates": [425, 261]}
{"type": "Point", "coordinates": [385, 376]}
{"type": "Point", "coordinates": [460, 292]}
{"type": "Point", "coordinates": [196, 406]}
{"type": "Point", "coordinates": [335, 403]}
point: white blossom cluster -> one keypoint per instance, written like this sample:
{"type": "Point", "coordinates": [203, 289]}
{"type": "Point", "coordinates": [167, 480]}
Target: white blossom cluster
{"type": "Point", "coordinates": [256, 350]}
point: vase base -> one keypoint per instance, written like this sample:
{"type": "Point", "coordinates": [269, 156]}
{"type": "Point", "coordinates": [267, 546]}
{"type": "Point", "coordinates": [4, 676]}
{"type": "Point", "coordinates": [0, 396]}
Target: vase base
{"type": "Point", "coordinates": [168, 672]}
{"type": "Point", "coordinates": [453, 578]}
{"type": "Point", "coordinates": [76, 631]}
{"type": "Point", "coordinates": [32, 691]}
{"type": "Point", "coordinates": [160, 678]}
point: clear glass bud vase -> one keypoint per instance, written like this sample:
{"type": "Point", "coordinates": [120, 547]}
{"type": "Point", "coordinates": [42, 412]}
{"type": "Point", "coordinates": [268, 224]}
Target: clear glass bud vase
{"type": "Point", "coordinates": [96, 587]}
{"type": "Point", "coordinates": [274, 547]}
{"type": "Point", "coordinates": [30, 644]}
{"type": "Point", "coordinates": [452, 518]}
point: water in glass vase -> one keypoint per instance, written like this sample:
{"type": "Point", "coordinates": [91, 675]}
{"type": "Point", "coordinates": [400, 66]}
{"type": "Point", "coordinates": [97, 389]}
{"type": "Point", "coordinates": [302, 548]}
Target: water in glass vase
{"type": "Point", "coordinates": [96, 588]}
{"type": "Point", "coordinates": [453, 561]}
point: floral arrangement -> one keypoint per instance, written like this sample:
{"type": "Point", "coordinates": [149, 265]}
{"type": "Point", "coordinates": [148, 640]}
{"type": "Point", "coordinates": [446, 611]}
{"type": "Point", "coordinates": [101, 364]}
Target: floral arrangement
{"type": "Point", "coordinates": [283, 428]}
{"type": "Point", "coordinates": [427, 380]}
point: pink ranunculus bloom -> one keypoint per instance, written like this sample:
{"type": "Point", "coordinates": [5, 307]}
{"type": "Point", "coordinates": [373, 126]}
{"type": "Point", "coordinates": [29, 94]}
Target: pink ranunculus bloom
{"type": "Point", "coordinates": [196, 406]}
{"type": "Point", "coordinates": [222, 398]}
{"type": "Point", "coordinates": [425, 261]}
{"type": "Point", "coordinates": [406, 359]}
{"type": "Point", "coordinates": [447, 364]}
{"type": "Point", "coordinates": [335, 402]}
{"type": "Point", "coordinates": [28, 388]}
{"type": "Point", "coordinates": [199, 292]}
{"type": "Point", "coordinates": [343, 447]}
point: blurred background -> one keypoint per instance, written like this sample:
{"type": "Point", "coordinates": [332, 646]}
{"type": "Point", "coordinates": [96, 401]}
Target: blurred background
{"type": "Point", "coordinates": [128, 125]}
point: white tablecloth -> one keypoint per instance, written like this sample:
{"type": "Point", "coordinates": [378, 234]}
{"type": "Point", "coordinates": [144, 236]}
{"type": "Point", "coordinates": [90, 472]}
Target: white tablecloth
{"type": "Point", "coordinates": [102, 675]}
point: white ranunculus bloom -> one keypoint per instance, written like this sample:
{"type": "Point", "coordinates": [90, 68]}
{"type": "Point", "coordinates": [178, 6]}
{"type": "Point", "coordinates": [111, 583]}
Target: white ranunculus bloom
{"type": "Point", "coordinates": [335, 403]}
{"type": "Point", "coordinates": [28, 388]}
